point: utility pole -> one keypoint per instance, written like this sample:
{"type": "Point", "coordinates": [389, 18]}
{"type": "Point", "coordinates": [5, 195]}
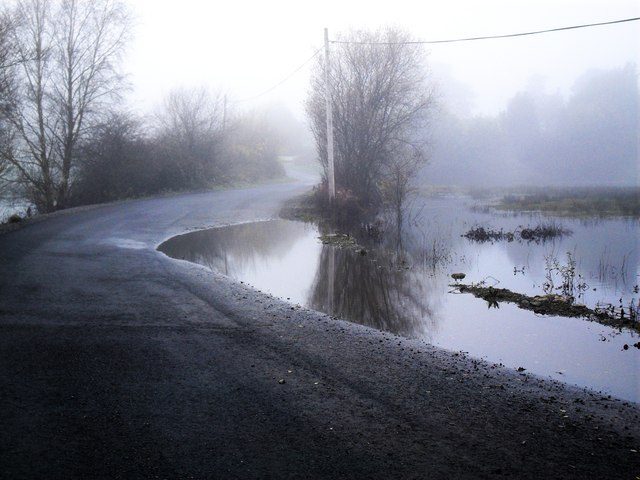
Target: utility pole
{"type": "Point", "coordinates": [329, 111]}
{"type": "Point", "coordinates": [224, 113]}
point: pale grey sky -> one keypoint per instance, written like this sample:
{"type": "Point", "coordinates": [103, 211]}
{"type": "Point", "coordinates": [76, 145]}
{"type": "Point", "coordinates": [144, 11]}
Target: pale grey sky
{"type": "Point", "coordinates": [244, 47]}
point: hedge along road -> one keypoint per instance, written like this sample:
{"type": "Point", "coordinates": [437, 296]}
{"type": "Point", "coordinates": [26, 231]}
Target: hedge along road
{"type": "Point", "coordinates": [119, 362]}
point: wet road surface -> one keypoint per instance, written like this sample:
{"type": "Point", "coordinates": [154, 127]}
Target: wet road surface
{"type": "Point", "coordinates": [119, 362]}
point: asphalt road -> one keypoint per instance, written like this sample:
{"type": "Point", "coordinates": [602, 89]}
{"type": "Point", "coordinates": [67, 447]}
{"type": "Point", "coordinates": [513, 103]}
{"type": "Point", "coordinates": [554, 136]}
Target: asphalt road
{"type": "Point", "coordinates": [118, 362]}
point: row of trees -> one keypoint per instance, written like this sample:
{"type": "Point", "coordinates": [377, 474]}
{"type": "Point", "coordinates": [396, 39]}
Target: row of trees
{"type": "Point", "coordinates": [64, 138]}
{"type": "Point", "coordinates": [64, 143]}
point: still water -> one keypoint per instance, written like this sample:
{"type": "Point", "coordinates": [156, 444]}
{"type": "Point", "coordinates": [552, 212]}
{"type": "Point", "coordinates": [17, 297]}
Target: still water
{"type": "Point", "coordinates": [409, 293]}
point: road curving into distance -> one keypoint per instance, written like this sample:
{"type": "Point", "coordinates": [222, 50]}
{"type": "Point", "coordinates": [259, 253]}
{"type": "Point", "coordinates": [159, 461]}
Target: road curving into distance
{"type": "Point", "coordinates": [119, 362]}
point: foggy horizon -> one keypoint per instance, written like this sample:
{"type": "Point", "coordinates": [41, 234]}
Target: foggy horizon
{"type": "Point", "coordinates": [252, 59]}
{"type": "Point", "coordinates": [242, 55]}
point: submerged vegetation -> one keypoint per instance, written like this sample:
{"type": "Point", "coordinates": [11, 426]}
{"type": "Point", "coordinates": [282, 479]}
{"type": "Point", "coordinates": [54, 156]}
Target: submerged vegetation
{"type": "Point", "coordinates": [563, 286]}
{"type": "Point", "coordinates": [338, 240]}
{"type": "Point", "coordinates": [552, 304]}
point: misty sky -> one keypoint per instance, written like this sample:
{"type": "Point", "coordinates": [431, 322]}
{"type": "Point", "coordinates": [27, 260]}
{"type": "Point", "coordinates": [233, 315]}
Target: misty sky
{"type": "Point", "coordinates": [244, 47]}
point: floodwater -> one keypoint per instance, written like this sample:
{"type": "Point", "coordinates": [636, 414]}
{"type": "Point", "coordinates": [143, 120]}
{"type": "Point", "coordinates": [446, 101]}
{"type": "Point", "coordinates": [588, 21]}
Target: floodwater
{"type": "Point", "coordinates": [408, 292]}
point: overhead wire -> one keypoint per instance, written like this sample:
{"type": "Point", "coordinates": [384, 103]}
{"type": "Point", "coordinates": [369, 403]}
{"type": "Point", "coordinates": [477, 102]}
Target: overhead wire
{"type": "Point", "coordinates": [488, 37]}
{"type": "Point", "coordinates": [270, 89]}
{"type": "Point", "coordinates": [449, 40]}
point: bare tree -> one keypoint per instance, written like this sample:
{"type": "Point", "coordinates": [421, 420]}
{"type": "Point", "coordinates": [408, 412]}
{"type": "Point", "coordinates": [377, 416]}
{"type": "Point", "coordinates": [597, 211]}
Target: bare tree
{"type": "Point", "coordinates": [90, 37]}
{"type": "Point", "coordinates": [191, 115]}
{"type": "Point", "coordinates": [381, 97]}
{"type": "Point", "coordinates": [30, 150]}
{"type": "Point", "coordinates": [191, 131]}
{"type": "Point", "coordinates": [7, 61]}
{"type": "Point", "coordinates": [68, 52]}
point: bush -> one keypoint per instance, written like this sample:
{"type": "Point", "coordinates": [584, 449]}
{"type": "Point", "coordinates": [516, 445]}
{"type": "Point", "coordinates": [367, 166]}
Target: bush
{"type": "Point", "coordinates": [121, 160]}
{"type": "Point", "coordinates": [346, 209]}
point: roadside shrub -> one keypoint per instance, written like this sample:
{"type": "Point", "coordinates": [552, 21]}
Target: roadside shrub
{"type": "Point", "coordinates": [123, 160]}
{"type": "Point", "coordinates": [347, 208]}
{"type": "Point", "coordinates": [116, 162]}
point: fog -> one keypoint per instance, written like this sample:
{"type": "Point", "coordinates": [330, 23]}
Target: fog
{"type": "Point", "coordinates": [545, 109]}
{"type": "Point", "coordinates": [587, 138]}
{"type": "Point", "coordinates": [245, 47]}
{"type": "Point", "coordinates": [159, 95]}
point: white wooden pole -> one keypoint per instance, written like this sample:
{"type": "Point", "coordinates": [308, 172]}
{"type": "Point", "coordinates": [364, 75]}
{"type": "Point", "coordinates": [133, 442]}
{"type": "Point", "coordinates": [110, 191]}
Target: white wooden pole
{"type": "Point", "coordinates": [224, 114]}
{"type": "Point", "coordinates": [329, 111]}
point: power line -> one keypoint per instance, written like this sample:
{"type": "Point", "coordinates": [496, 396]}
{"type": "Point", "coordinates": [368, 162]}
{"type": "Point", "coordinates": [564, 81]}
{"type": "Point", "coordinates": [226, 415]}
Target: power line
{"type": "Point", "coordinates": [469, 39]}
{"type": "Point", "coordinates": [419, 42]}
{"type": "Point", "coordinates": [270, 89]}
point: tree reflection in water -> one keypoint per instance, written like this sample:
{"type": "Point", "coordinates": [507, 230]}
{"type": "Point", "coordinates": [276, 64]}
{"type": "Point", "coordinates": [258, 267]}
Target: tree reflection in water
{"type": "Point", "coordinates": [373, 289]}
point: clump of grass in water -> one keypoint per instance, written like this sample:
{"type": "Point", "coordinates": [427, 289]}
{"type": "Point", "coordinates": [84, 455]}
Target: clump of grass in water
{"type": "Point", "coordinates": [482, 235]}
{"type": "Point", "coordinates": [608, 271]}
{"type": "Point", "coordinates": [543, 232]}
{"type": "Point", "coordinates": [540, 233]}
{"type": "Point", "coordinates": [567, 275]}
{"type": "Point", "coordinates": [434, 250]}
{"type": "Point", "coordinates": [338, 240]}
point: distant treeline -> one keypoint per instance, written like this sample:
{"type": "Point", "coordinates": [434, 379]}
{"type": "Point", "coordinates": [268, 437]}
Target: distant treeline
{"type": "Point", "coordinates": [591, 201]}
{"type": "Point", "coordinates": [589, 138]}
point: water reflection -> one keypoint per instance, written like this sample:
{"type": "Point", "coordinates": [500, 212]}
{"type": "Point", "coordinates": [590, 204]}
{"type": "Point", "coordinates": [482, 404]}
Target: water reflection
{"type": "Point", "coordinates": [407, 292]}
{"type": "Point", "coordinates": [368, 289]}
{"type": "Point", "coordinates": [374, 292]}
{"type": "Point", "coordinates": [237, 248]}
{"type": "Point", "coordinates": [606, 251]}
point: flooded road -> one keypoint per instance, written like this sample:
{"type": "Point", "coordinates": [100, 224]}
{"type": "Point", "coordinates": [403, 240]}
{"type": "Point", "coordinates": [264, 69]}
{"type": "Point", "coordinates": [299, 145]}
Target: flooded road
{"type": "Point", "coordinates": [409, 293]}
{"type": "Point", "coordinates": [108, 343]}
